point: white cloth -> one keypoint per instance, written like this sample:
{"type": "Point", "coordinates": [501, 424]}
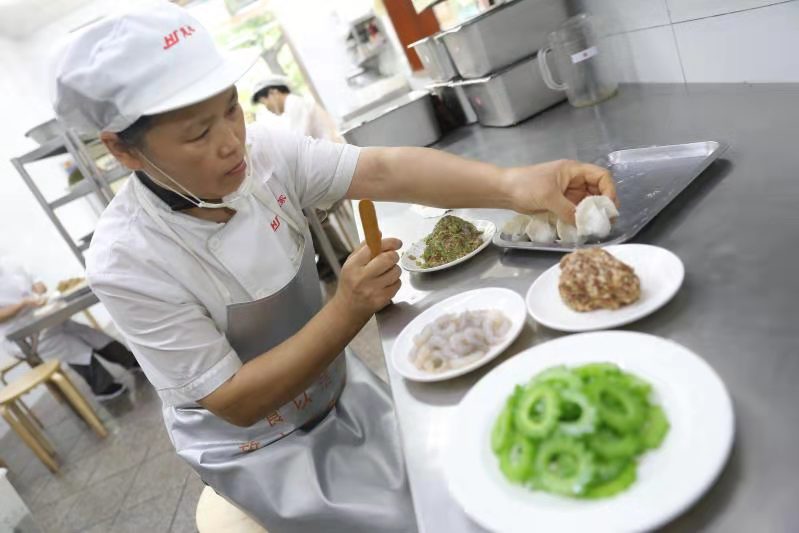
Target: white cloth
{"type": "Point", "coordinates": [70, 342]}
{"type": "Point", "coordinates": [304, 116]}
{"type": "Point", "coordinates": [15, 284]}
{"type": "Point", "coordinates": [172, 315]}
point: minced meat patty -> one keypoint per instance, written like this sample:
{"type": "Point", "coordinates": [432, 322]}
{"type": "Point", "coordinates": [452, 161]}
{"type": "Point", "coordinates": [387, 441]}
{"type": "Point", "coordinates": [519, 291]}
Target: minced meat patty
{"type": "Point", "coordinates": [593, 279]}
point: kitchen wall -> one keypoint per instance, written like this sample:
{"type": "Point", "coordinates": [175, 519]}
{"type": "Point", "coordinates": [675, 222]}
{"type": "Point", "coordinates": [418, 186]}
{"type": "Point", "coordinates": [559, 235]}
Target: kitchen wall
{"type": "Point", "coordinates": [25, 231]}
{"type": "Point", "coordinates": [701, 40]}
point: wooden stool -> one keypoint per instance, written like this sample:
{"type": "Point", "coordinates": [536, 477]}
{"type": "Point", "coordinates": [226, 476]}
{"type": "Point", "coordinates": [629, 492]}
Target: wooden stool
{"type": "Point", "coordinates": [214, 513]}
{"type": "Point", "coordinates": [5, 368]}
{"type": "Point", "coordinates": [49, 374]}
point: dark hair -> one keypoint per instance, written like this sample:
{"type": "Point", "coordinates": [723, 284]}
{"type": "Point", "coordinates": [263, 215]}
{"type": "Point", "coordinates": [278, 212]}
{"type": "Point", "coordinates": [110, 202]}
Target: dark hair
{"type": "Point", "coordinates": [263, 93]}
{"type": "Point", "coordinates": [134, 134]}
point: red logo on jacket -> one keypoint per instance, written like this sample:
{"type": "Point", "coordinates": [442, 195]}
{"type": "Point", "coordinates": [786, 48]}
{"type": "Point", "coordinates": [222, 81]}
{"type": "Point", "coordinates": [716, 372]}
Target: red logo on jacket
{"type": "Point", "coordinates": [275, 223]}
{"type": "Point", "coordinates": [281, 200]}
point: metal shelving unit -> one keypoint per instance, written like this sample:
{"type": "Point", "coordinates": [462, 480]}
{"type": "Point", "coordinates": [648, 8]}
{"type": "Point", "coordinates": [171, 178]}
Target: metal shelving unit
{"type": "Point", "coordinates": [95, 181]}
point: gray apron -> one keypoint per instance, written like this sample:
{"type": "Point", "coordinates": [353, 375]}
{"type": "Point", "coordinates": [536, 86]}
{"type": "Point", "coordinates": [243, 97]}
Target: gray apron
{"type": "Point", "coordinates": [329, 460]}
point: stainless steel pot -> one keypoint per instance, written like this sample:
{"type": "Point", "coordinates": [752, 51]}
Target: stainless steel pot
{"type": "Point", "coordinates": [502, 35]}
{"type": "Point", "coordinates": [435, 58]}
{"type": "Point", "coordinates": [406, 121]}
{"type": "Point", "coordinates": [511, 95]}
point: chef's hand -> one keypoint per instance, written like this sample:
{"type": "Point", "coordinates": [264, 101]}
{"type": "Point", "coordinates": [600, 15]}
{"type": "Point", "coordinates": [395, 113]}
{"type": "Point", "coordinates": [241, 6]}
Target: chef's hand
{"type": "Point", "coordinates": [558, 186]}
{"type": "Point", "coordinates": [32, 301]}
{"type": "Point", "coordinates": [367, 285]}
{"type": "Point", "coordinates": [39, 288]}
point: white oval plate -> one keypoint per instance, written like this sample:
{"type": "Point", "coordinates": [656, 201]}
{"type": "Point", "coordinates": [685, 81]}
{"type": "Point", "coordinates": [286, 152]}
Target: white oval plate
{"type": "Point", "coordinates": [661, 274]}
{"type": "Point", "coordinates": [670, 478]}
{"type": "Point", "coordinates": [505, 300]}
{"type": "Point", "coordinates": [486, 227]}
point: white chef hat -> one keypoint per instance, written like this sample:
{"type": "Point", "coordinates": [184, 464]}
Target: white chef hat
{"type": "Point", "coordinates": [145, 61]}
{"type": "Point", "coordinates": [274, 80]}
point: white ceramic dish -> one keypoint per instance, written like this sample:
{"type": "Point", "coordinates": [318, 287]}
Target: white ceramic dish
{"type": "Point", "coordinates": [505, 300]}
{"type": "Point", "coordinates": [487, 228]}
{"type": "Point", "coordinates": [661, 274]}
{"type": "Point", "coordinates": [670, 478]}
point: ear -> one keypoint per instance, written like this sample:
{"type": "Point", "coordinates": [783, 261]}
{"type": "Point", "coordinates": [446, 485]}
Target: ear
{"type": "Point", "coordinates": [121, 151]}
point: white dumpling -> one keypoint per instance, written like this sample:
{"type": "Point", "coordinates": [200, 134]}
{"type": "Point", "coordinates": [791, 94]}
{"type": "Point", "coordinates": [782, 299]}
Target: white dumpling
{"type": "Point", "coordinates": [567, 234]}
{"type": "Point", "coordinates": [515, 226]}
{"type": "Point", "coordinates": [539, 229]}
{"type": "Point", "coordinates": [594, 217]}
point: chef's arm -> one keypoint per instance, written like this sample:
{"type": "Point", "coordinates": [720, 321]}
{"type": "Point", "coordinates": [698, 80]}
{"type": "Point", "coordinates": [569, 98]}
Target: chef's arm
{"type": "Point", "coordinates": [10, 311]}
{"type": "Point", "coordinates": [433, 177]}
{"type": "Point", "coordinates": [265, 383]}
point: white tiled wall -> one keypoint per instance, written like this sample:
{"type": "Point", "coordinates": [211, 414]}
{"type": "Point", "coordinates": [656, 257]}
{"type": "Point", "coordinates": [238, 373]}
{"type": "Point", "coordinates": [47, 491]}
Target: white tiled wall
{"type": "Point", "coordinates": [700, 40]}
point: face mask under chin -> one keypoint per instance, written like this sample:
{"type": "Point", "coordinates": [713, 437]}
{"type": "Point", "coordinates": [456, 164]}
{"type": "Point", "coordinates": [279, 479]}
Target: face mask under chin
{"type": "Point", "coordinates": [180, 201]}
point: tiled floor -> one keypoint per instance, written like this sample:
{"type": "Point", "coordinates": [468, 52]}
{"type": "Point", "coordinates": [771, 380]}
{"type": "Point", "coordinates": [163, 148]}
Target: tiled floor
{"type": "Point", "coordinates": [131, 481]}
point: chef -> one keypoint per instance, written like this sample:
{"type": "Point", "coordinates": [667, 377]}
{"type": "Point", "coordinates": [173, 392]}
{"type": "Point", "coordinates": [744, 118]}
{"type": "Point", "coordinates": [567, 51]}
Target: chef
{"type": "Point", "coordinates": [297, 113]}
{"type": "Point", "coordinates": [80, 346]}
{"type": "Point", "coordinates": [205, 264]}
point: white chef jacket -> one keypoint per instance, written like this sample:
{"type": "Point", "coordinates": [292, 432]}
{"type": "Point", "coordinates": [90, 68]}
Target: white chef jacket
{"type": "Point", "coordinates": [304, 116]}
{"type": "Point", "coordinates": [164, 302]}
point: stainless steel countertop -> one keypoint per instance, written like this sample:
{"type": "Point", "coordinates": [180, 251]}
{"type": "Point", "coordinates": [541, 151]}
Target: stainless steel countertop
{"type": "Point", "coordinates": [736, 230]}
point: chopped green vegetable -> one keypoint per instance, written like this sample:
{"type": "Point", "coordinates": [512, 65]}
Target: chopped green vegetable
{"type": "Point", "coordinates": [578, 432]}
{"type": "Point", "coordinates": [451, 239]}
{"type": "Point", "coordinates": [517, 460]}
{"type": "Point", "coordinates": [613, 486]}
{"type": "Point", "coordinates": [537, 411]}
{"type": "Point", "coordinates": [559, 377]}
{"type": "Point", "coordinates": [564, 466]}
{"type": "Point", "coordinates": [619, 407]}
{"type": "Point", "coordinates": [502, 434]}
{"type": "Point", "coordinates": [577, 414]}
{"type": "Point", "coordinates": [655, 428]}
{"type": "Point", "coordinates": [610, 444]}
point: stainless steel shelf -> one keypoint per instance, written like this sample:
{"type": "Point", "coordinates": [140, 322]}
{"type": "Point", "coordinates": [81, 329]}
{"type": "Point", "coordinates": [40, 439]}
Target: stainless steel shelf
{"type": "Point", "coordinates": [84, 187]}
{"type": "Point", "coordinates": [51, 148]}
{"type": "Point", "coordinates": [78, 191]}
{"type": "Point", "coordinates": [83, 150]}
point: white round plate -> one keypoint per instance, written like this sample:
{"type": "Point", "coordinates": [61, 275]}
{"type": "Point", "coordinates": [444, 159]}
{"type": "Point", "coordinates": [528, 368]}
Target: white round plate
{"type": "Point", "coordinates": [486, 227]}
{"type": "Point", "coordinates": [661, 274]}
{"type": "Point", "coordinates": [505, 300]}
{"type": "Point", "coordinates": [670, 478]}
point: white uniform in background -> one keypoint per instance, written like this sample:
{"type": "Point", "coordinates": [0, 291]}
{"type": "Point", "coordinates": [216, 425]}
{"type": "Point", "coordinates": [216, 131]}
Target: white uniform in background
{"type": "Point", "coordinates": [304, 116]}
{"type": "Point", "coordinates": [70, 342]}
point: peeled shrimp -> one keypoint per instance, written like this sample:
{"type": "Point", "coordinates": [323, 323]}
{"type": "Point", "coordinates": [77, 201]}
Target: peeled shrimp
{"type": "Point", "coordinates": [458, 339]}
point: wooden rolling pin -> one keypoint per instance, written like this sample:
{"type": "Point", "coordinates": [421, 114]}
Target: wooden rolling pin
{"type": "Point", "coordinates": [374, 239]}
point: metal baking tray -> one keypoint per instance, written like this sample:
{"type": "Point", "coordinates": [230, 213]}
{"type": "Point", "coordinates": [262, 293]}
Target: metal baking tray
{"type": "Point", "coordinates": [647, 180]}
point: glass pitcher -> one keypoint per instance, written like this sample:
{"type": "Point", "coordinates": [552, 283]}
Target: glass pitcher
{"type": "Point", "coordinates": [585, 73]}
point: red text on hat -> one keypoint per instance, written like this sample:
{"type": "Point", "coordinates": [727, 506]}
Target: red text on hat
{"type": "Point", "coordinates": [173, 38]}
